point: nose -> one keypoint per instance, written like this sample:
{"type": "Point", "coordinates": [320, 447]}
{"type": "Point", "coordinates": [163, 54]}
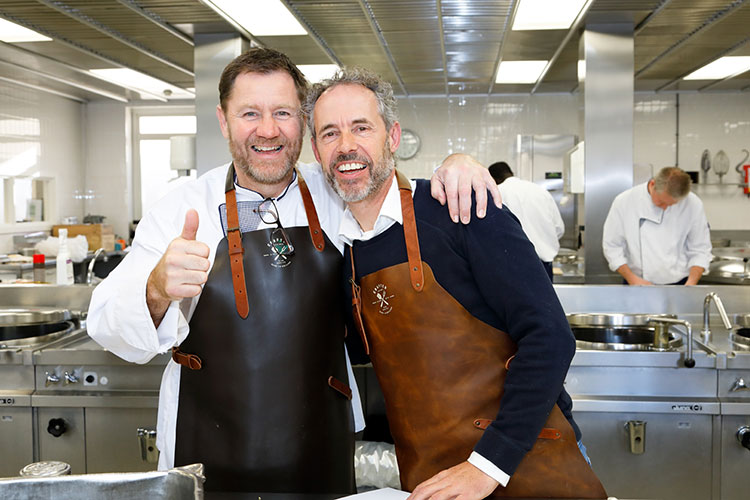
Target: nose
{"type": "Point", "coordinates": [347, 142]}
{"type": "Point", "coordinates": [267, 127]}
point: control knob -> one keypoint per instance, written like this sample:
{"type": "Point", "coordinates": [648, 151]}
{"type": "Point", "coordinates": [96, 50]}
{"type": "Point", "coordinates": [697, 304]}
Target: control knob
{"type": "Point", "coordinates": [743, 436]}
{"type": "Point", "coordinates": [57, 427]}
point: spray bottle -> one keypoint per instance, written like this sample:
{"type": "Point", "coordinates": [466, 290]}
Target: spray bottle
{"type": "Point", "coordinates": [64, 264]}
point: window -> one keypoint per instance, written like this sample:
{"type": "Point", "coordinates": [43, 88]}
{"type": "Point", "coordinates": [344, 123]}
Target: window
{"type": "Point", "coordinates": [153, 176]}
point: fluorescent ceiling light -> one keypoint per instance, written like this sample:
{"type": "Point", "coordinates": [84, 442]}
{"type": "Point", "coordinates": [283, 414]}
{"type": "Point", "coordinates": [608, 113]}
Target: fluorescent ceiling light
{"type": "Point", "coordinates": [13, 33]}
{"type": "Point", "coordinates": [318, 72]}
{"type": "Point", "coordinates": [721, 68]}
{"type": "Point", "coordinates": [149, 87]}
{"type": "Point", "coordinates": [547, 14]}
{"type": "Point", "coordinates": [260, 17]}
{"type": "Point", "coordinates": [519, 71]}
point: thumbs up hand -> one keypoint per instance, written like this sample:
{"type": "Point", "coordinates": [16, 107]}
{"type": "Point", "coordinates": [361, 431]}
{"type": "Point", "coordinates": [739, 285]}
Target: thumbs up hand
{"type": "Point", "coordinates": [181, 271]}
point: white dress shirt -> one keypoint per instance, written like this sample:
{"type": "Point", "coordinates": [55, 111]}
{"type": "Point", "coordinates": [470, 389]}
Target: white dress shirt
{"type": "Point", "coordinates": [118, 317]}
{"type": "Point", "coordinates": [658, 245]}
{"type": "Point", "coordinates": [538, 213]}
{"type": "Point", "coordinates": [390, 213]}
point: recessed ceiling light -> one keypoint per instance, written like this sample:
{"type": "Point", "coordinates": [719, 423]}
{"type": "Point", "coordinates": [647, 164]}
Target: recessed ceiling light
{"type": "Point", "coordinates": [547, 14]}
{"type": "Point", "coordinates": [149, 87]}
{"type": "Point", "coordinates": [721, 68]}
{"type": "Point", "coordinates": [519, 71]}
{"type": "Point", "coordinates": [260, 17]}
{"type": "Point", "coordinates": [318, 72]}
{"type": "Point", "coordinates": [14, 33]}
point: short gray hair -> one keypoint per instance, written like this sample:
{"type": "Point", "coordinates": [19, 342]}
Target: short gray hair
{"type": "Point", "coordinates": [383, 91]}
{"type": "Point", "coordinates": [674, 181]}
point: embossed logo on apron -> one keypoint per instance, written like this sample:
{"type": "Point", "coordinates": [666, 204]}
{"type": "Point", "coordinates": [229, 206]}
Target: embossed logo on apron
{"type": "Point", "coordinates": [381, 299]}
{"type": "Point", "coordinates": [279, 250]}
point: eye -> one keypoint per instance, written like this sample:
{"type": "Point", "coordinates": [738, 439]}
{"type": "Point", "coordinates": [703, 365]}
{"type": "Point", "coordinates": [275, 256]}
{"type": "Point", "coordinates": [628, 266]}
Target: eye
{"type": "Point", "coordinates": [282, 114]}
{"type": "Point", "coordinates": [250, 114]}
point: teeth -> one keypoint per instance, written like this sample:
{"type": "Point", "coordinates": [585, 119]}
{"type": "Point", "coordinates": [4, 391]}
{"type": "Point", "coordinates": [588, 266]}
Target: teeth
{"type": "Point", "coordinates": [348, 167]}
{"type": "Point", "coordinates": [266, 149]}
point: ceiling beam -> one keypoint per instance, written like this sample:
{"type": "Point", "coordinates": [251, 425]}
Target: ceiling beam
{"type": "Point", "coordinates": [365, 5]}
{"type": "Point", "coordinates": [158, 21]}
{"type": "Point", "coordinates": [715, 17]}
{"type": "Point", "coordinates": [70, 83]}
{"type": "Point", "coordinates": [42, 89]}
{"type": "Point", "coordinates": [571, 31]}
{"type": "Point", "coordinates": [508, 26]}
{"type": "Point", "coordinates": [93, 24]}
{"type": "Point", "coordinates": [639, 27]}
{"type": "Point", "coordinates": [705, 61]}
{"type": "Point", "coordinates": [313, 33]}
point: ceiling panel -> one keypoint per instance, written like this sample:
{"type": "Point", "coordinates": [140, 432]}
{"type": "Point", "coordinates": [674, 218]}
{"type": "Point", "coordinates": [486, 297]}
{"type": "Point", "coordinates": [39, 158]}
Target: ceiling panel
{"type": "Point", "coordinates": [424, 47]}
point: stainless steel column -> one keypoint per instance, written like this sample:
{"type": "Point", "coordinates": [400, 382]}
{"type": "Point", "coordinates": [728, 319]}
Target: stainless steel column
{"type": "Point", "coordinates": [212, 53]}
{"type": "Point", "coordinates": [606, 53]}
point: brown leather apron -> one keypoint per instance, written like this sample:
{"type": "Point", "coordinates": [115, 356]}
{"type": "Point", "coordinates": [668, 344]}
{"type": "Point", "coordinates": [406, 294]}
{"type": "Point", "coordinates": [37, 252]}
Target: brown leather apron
{"type": "Point", "coordinates": [442, 373]}
{"type": "Point", "coordinates": [264, 402]}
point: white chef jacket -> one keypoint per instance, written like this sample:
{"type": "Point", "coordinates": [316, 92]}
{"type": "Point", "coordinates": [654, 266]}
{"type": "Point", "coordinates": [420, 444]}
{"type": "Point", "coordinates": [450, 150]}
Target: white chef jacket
{"type": "Point", "coordinates": [659, 245]}
{"type": "Point", "coordinates": [118, 317]}
{"type": "Point", "coordinates": [538, 213]}
{"type": "Point", "coordinates": [390, 213]}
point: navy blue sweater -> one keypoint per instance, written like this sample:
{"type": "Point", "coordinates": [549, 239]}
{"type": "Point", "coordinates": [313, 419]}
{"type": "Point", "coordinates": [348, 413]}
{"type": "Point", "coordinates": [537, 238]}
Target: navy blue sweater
{"type": "Point", "coordinates": [492, 270]}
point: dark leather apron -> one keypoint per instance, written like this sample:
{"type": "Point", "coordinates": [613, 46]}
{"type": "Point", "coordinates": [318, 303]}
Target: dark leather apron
{"type": "Point", "coordinates": [262, 403]}
{"type": "Point", "coordinates": [442, 373]}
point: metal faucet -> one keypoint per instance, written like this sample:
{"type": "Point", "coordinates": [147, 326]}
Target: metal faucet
{"type": "Point", "coordinates": [661, 334]}
{"type": "Point", "coordinates": [90, 273]}
{"type": "Point", "coordinates": [706, 332]}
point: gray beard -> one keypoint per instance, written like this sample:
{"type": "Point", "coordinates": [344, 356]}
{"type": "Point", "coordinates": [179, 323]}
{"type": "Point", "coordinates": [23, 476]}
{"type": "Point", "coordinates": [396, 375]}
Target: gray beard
{"type": "Point", "coordinates": [271, 176]}
{"type": "Point", "coordinates": [379, 173]}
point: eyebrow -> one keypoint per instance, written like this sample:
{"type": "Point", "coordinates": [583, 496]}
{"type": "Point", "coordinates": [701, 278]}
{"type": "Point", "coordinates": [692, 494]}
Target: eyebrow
{"type": "Point", "coordinates": [356, 121]}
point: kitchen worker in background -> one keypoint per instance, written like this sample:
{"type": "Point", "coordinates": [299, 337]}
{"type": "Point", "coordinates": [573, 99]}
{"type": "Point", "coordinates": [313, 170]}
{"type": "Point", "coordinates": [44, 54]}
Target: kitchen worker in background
{"type": "Point", "coordinates": [536, 210]}
{"type": "Point", "coordinates": [449, 313]}
{"type": "Point", "coordinates": [239, 274]}
{"type": "Point", "coordinates": [657, 233]}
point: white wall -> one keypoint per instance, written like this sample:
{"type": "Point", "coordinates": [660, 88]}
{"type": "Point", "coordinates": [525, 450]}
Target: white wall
{"type": "Point", "coordinates": [109, 170]}
{"type": "Point", "coordinates": [54, 126]}
{"type": "Point", "coordinates": [487, 128]}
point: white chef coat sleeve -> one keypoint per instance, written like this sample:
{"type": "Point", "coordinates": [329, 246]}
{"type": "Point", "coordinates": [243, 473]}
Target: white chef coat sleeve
{"type": "Point", "coordinates": [489, 468]}
{"type": "Point", "coordinates": [614, 242]}
{"type": "Point", "coordinates": [554, 215]}
{"type": "Point", "coordinates": [698, 241]}
{"type": "Point", "coordinates": [118, 317]}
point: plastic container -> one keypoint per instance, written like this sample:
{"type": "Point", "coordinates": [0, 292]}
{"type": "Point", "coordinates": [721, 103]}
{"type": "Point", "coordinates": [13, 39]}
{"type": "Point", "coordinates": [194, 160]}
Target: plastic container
{"type": "Point", "coordinates": [64, 264]}
{"type": "Point", "coordinates": [39, 268]}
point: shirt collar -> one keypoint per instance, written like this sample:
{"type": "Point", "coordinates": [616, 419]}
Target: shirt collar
{"type": "Point", "coordinates": [390, 213]}
{"type": "Point", "coordinates": [253, 195]}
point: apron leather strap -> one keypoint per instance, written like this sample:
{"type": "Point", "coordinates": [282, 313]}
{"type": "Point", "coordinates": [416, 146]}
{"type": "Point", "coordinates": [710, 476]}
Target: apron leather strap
{"type": "Point", "coordinates": [357, 305]}
{"type": "Point", "coordinates": [191, 361]}
{"type": "Point", "coordinates": [236, 251]}
{"type": "Point", "coordinates": [410, 233]}
{"type": "Point", "coordinates": [313, 222]}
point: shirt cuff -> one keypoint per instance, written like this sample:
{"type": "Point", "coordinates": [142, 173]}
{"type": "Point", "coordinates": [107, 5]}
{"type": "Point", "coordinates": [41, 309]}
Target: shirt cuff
{"type": "Point", "coordinates": [489, 468]}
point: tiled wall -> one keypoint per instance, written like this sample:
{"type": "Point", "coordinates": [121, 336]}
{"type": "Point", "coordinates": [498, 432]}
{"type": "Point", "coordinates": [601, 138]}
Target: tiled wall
{"type": "Point", "coordinates": [52, 126]}
{"type": "Point", "coordinates": [87, 147]}
{"type": "Point", "coordinates": [487, 128]}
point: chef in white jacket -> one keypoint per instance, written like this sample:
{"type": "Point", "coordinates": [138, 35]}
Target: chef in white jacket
{"type": "Point", "coordinates": [238, 274]}
{"type": "Point", "coordinates": [536, 210]}
{"type": "Point", "coordinates": [657, 232]}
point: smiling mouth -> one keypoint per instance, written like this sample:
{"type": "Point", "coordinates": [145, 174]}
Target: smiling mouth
{"type": "Point", "coordinates": [351, 167]}
{"type": "Point", "coordinates": [266, 149]}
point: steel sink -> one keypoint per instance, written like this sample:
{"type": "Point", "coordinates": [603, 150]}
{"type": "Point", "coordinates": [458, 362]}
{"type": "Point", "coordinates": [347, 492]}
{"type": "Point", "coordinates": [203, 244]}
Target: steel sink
{"type": "Point", "coordinates": [740, 334]}
{"type": "Point", "coordinates": [621, 332]}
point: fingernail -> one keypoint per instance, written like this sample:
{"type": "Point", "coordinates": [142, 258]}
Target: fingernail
{"type": "Point", "coordinates": [465, 220]}
{"type": "Point", "coordinates": [455, 218]}
{"type": "Point", "coordinates": [481, 214]}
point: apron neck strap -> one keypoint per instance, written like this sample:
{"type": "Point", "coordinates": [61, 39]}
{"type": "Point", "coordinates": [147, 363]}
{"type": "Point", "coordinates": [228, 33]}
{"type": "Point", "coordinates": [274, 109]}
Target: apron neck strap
{"type": "Point", "coordinates": [410, 232]}
{"type": "Point", "coordinates": [313, 222]}
{"type": "Point", "coordinates": [236, 252]}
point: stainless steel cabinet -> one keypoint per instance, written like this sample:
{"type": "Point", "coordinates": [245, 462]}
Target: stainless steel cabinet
{"type": "Point", "coordinates": [61, 434]}
{"type": "Point", "coordinates": [112, 441]}
{"type": "Point", "coordinates": [16, 438]}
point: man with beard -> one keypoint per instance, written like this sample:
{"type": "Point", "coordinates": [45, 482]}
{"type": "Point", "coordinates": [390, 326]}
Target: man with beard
{"type": "Point", "coordinates": [247, 298]}
{"type": "Point", "coordinates": [467, 338]}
